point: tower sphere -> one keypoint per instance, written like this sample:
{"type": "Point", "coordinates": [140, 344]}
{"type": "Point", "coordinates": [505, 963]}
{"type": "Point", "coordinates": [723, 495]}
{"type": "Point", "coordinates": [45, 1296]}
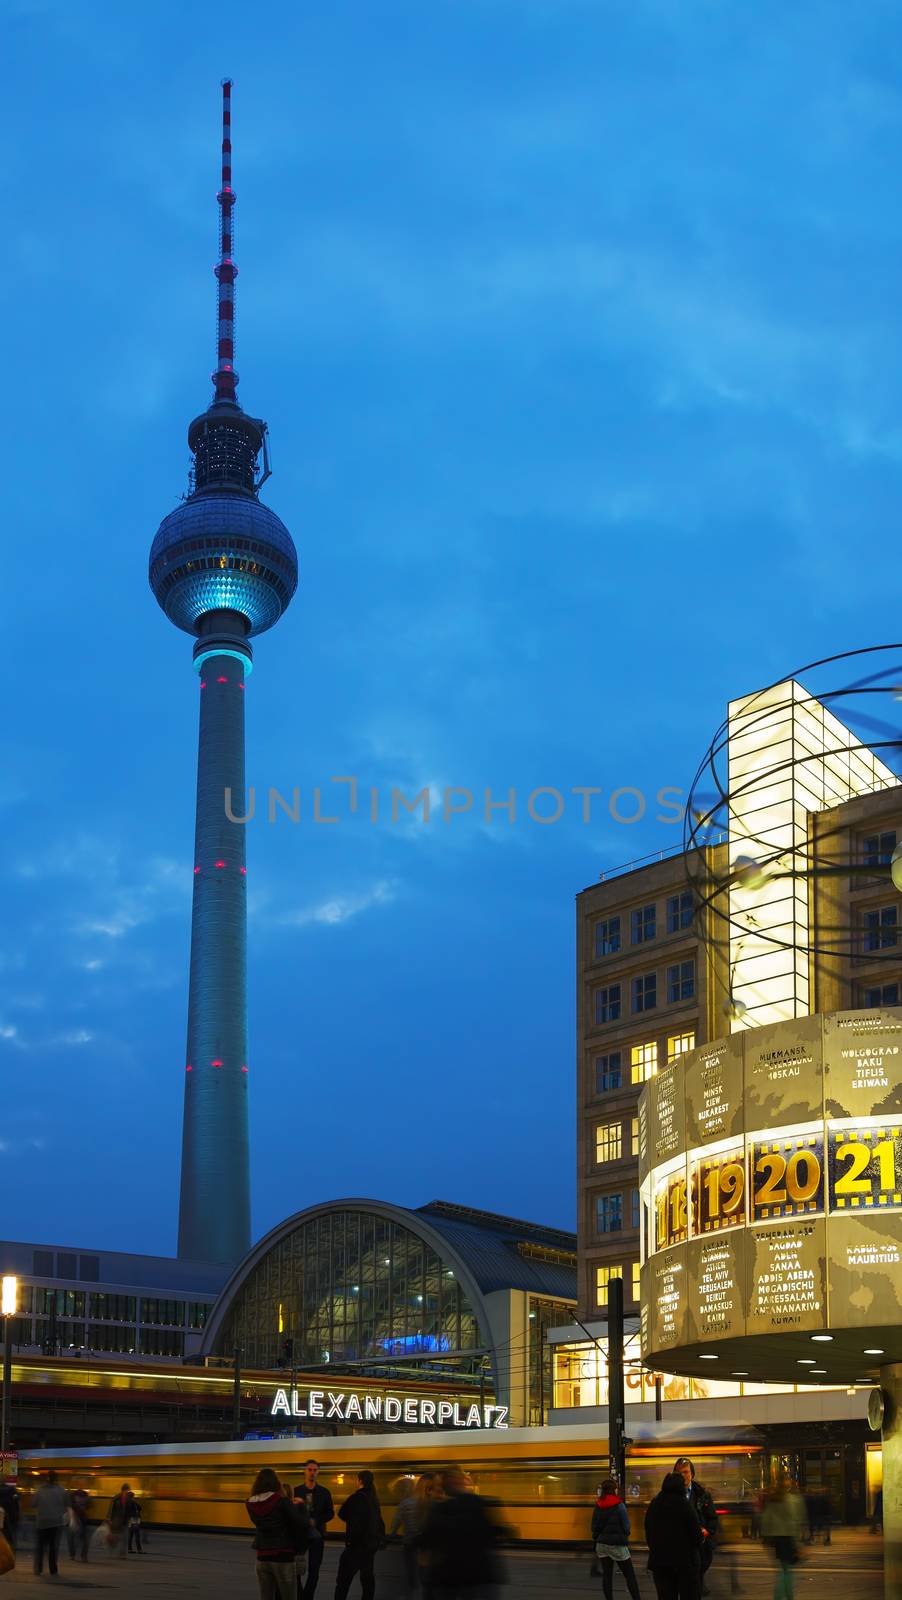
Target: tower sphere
{"type": "Point", "coordinates": [221, 551]}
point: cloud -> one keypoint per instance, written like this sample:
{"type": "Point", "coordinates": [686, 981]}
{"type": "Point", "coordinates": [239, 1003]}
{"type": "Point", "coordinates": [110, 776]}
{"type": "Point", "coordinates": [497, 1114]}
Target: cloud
{"type": "Point", "coordinates": [331, 913]}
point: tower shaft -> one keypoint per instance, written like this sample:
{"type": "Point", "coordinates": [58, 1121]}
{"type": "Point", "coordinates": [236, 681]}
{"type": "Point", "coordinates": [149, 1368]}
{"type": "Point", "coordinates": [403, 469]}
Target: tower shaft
{"type": "Point", "coordinates": [214, 1214]}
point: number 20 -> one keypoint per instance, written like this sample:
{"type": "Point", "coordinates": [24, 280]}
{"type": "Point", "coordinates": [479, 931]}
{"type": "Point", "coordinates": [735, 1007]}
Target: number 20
{"type": "Point", "coordinates": [798, 1188]}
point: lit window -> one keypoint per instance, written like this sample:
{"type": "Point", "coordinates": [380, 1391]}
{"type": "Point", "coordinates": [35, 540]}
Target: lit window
{"type": "Point", "coordinates": [645, 992]}
{"type": "Point", "coordinates": [607, 1003]}
{"type": "Point", "coordinates": [607, 937]}
{"type": "Point", "coordinates": [879, 928]}
{"type": "Point", "coordinates": [608, 1142]}
{"type": "Point", "coordinates": [608, 1213]}
{"type": "Point", "coordinates": [642, 924]}
{"type": "Point", "coordinates": [637, 1272]}
{"type": "Point", "coordinates": [678, 1044]}
{"type": "Point", "coordinates": [680, 982]}
{"type": "Point", "coordinates": [608, 1072]}
{"type": "Point", "coordinates": [884, 994]}
{"type": "Point", "coordinates": [634, 1137]}
{"type": "Point", "coordinates": [643, 1061]}
{"type": "Point", "coordinates": [603, 1276]}
{"type": "Point", "coordinates": [877, 849]}
{"type": "Point", "coordinates": [679, 911]}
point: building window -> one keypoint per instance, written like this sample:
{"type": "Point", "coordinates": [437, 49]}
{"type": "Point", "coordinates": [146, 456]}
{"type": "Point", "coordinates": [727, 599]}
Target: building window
{"type": "Point", "coordinates": [608, 1136]}
{"type": "Point", "coordinates": [608, 1213]}
{"type": "Point", "coordinates": [679, 1044]}
{"type": "Point", "coordinates": [634, 1208]}
{"type": "Point", "coordinates": [607, 1003]}
{"type": "Point", "coordinates": [637, 1282]}
{"type": "Point", "coordinates": [643, 924]}
{"type": "Point", "coordinates": [877, 849]}
{"type": "Point", "coordinates": [603, 1276]}
{"type": "Point", "coordinates": [645, 992]}
{"type": "Point", "coordinates": [680, 911]}
{"type": "Point", "coordinates": [878, 928]}
{"type": "Point", "coordinates": [643, 1061]}
{"type": "Point", "coordinates": [883, 994]}
{"type": "Point", "coordinates": [634, 1136]}
{"type": "Point", "coordinates": [43, 1264]}
{"type": "Point", "coordinates": [607, 937]}
{"type": "Point", "coordinates": [608, 1072]}
{"type": "Point", "coordinates": [680, 982]}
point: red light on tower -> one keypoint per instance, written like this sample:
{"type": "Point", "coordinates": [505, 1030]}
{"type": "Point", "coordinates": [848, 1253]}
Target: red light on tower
{"type": "Point", "coordinates": [215, 1063]}
{"type": "Point", "coordinates": [222, 680]}
{"type": "Point", "coordinates": [219, 863]}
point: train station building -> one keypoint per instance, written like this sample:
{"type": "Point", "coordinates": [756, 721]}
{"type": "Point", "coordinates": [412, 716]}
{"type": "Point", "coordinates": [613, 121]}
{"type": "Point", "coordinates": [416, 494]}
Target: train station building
{"type": "Point", "coordinates": [348, 1313]}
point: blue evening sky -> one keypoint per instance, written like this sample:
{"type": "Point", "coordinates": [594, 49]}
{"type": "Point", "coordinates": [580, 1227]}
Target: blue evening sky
{"type": "Point", "coordinates": [576, 325]}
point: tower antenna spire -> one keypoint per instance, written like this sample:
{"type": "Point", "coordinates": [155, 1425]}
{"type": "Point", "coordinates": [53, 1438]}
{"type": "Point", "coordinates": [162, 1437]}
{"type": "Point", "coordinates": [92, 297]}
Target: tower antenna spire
{"type": "Point", "coordinates": [225, 378]}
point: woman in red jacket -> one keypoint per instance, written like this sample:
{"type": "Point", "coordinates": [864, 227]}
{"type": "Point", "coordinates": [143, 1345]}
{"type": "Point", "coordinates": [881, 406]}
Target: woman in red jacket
{"type": "Point", "coordinates": [611, 1532]}
{"type": "Point", "coordinates": [283, 1532]}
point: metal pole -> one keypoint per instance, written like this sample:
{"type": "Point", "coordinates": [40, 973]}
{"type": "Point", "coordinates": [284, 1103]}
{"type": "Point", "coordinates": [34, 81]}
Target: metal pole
{"type": "Point", "coordinates": [236, 1396]}
{"type": "Point", "coordinates": [659, 1409]}
{"type": "Point", "coordinates": [616, 1397]}
{"type": "Point", "coordinates": [7, 1385]}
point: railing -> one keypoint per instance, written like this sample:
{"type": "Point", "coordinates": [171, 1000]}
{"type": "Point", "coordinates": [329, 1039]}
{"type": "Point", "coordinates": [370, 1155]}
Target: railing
{"type": "Point", "coordinates": [656, 855]}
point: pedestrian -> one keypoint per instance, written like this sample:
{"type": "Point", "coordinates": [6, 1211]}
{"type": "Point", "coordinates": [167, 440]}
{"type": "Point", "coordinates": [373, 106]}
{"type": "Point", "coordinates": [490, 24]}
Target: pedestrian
{"type": "Point", "coordinates": [673, 1534]}
{"type": "Point", "coordinates": [282, 1533]}
{"type": "Point", "coordinates": [49, 1506]}
{"type": "Point", "coordinates": [611, 1533]}
{"type": "Point", "coordinates": [134, 1527]}
{"type": "Point", "coordinates": [409, 1520]}
{"type": "Point", "coordinates": [703, 1506]}
{"type": "Point", "coordinates": [11, 1506]}
{"type": "Point", "coordinates": [782, 1522]}
{"type": "Point", "coordinates": [460, 1537]}
{"type": "Point", "coordinates": [317, 1501]}
{"type": "Point", "coordinates": [364, 1534]}
{"type": "Point", "coordinates": [118, 1518]}
{"type": "Point", "coordinates": [77, 1531]}
{"type": "Point", "coordinates": [877, 1517]}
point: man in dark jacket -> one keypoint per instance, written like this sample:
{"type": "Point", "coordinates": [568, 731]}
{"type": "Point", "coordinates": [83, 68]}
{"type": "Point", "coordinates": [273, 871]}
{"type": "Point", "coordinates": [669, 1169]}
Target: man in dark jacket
{"type": "Point", "coordinates": [460, 1539]}
{"type": "Point", "coordinates": [674, 1537]}
{"type": "Point", "coordinates": [10, 1505]}
{"type": "Point", "coordinates": [317, 1501]}
{"type": "Point", "coordinates": [703, 1506]}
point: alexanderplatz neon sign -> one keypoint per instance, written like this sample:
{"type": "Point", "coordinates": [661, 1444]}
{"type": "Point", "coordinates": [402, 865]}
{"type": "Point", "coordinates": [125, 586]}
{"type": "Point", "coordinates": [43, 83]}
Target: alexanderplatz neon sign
{"type": "Point", "coordinates": [414, 1413]}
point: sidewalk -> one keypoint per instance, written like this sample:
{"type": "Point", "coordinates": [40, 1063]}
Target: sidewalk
{"type": "Point", "coordinates": [222, 1566]}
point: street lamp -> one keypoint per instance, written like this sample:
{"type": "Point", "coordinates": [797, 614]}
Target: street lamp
{"type": "Point", "coordinates": [9, 1294]}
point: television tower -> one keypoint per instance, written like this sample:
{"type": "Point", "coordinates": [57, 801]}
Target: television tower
{"type": "Point", "coordinates": [223, 567]}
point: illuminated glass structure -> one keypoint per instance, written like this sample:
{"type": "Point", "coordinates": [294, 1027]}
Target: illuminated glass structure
{"type": "Point", "coordinates": [444, 1290]}
{"type": "Point", "coordinates": [223, 568]}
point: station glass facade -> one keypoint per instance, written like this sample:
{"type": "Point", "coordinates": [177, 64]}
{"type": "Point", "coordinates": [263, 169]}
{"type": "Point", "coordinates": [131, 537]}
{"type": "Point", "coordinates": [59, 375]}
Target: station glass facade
{"type": "Point", "coordinates": [351, 1286]}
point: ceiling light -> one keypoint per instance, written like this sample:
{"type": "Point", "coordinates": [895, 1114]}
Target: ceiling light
{"type": "Point", "coordinates": [818, 1372]}
{"type": "Point", "coordinates": [709, 1358]}
{"type": "Point", "coordinates": [738, 1374]}
{"type": "Point", "coordinates": [822, 1338]}
{"type": "Point", "coordinates": [805, 1361]}
{"type": "Point", "coordinates": [874, 1352]}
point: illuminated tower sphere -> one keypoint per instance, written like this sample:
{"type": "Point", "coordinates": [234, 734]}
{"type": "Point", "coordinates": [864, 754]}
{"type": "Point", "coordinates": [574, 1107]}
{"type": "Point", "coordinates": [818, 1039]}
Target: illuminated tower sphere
{"type": "Point", "coordinates": [223, 567]}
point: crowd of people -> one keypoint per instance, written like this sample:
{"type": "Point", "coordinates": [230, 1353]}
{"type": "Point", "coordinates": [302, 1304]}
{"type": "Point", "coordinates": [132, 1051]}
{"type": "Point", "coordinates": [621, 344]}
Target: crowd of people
{"type": "Point", "coordinates": [449, 1536]}
{"type": "Point", "coordinates": [57, 1511]}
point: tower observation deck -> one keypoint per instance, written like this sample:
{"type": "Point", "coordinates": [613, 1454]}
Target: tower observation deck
{"type": "Point", "coordinates": [223, 567]}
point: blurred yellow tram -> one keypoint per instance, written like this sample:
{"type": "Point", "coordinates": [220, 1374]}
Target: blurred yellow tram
{"type": "Point", "coordinates": [544, 1478]}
